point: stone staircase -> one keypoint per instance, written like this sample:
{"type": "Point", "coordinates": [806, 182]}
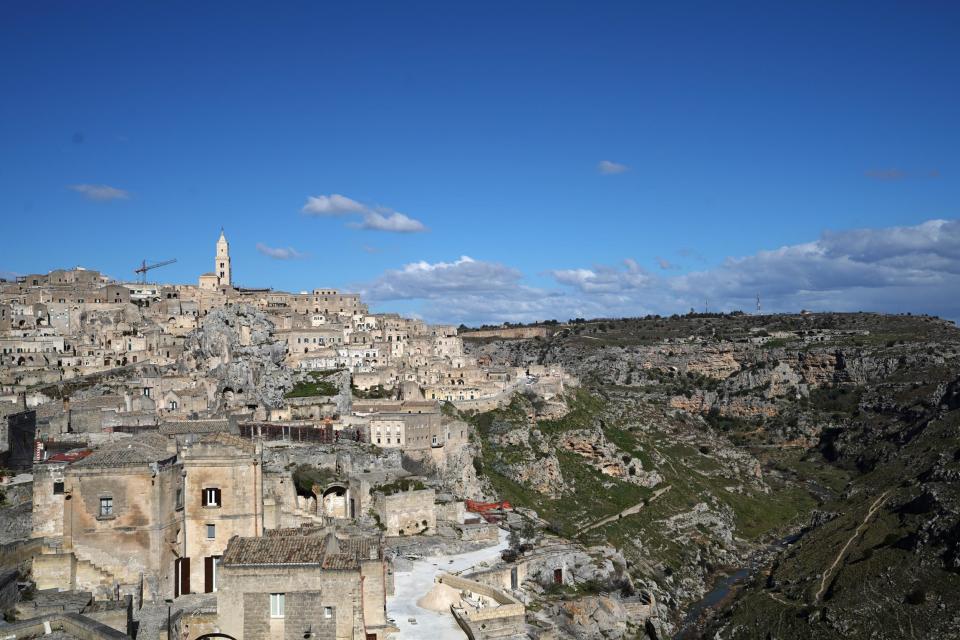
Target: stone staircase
{"type": "Point", "coordinates": [99, 572]}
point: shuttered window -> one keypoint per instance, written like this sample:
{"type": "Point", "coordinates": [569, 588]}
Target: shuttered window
{"type": "Point", "coordinates": [210, 497]}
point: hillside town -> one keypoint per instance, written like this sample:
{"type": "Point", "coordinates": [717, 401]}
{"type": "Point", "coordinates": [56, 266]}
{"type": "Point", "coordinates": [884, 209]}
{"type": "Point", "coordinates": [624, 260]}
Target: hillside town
{"type": "Point", "coordinates": [186, 460]}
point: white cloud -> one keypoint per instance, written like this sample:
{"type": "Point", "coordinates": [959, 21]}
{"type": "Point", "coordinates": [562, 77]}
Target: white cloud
{"type": "Point", "coordinates": [390, 221]}
{"type": "Point", "coordinates": [608, 167]}
{"type": "Point", "coordinates": [604, 279]}
{"type": "Point", "coordinates": [332, 205]}
{"type": "Point", "coordinates": [895, 269]}
{"type": "Point", "coordinates": [99, 192]}
{"type": "Point", "coordinates": [280, 253]}
{"type": "Point", "coordinates": [371, 218]}
{"type": "Point", "coordinates": [887, 269]}
{"type": "Point", "coordinates": [424, 280]}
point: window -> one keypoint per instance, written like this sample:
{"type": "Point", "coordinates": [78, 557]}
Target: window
{"type": "Point", "coordinates": [211, 497]}
{"type": "Point", "coordinates": [211, 531]}
{"type": "Point", "coordinates": [276, 605]}
{"type": "Point", "coordinates": [106, 507]}
{"type": "Point", "coordinates": [57, 488]}
{"type": "Point", "coordinates": [146, 391]}
{"type": "Point", "coordinates": [328, 612]}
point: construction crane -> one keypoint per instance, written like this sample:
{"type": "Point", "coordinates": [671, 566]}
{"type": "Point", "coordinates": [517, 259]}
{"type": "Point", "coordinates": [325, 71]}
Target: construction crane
{"type": "Point", "coordinates": [144, 267]}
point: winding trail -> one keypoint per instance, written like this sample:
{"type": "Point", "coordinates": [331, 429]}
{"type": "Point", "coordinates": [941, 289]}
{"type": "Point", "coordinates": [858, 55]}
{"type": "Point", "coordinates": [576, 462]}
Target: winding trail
{"type": "Point", "coordinates": [856, 534]}
{"type": "Point", "coordinates": [626, 512]}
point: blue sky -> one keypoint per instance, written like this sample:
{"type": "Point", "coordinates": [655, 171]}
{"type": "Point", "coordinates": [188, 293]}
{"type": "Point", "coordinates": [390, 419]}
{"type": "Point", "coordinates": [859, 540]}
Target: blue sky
{"type": "Point", "coordinates": [729, 131]}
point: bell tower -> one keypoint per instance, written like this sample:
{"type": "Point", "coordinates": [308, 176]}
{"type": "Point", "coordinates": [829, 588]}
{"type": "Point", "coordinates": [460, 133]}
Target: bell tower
{"type": "Point", "coordinates": [222, 266]}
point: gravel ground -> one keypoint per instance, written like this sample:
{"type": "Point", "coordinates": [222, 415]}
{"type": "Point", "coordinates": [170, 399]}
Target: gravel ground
{"type": "Point", "coordinates": [416, 580]}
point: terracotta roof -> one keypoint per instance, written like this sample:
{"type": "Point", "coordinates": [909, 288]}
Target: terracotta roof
{"type": "Point", "coordinates": [69, 456]}
{"type": "Point", "coordinates": [296, 547]}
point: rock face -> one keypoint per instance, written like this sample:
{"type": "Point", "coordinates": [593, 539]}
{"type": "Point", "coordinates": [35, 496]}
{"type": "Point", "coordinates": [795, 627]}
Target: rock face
{"type": "Point", "coordinates": [235, 347]}
{"type": "Point", "coordinates": [525, 454]}
{"type": "Point", "coordinates": [759, 426]}
{"type": "Point", "coordinates": [608, 458]}
{"type": "Point", "coordinates": [594, 617]}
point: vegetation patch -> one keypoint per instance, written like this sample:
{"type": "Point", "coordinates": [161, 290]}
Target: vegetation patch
{"type": "Point", "coordinates": [314, 385]}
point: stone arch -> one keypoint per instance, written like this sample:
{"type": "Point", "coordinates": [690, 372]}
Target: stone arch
{"type": "Point", "coordinates": [335, 500]}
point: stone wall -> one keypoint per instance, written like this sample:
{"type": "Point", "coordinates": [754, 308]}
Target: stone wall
{"type": "Point", "coordinates": [54, 571]}
{"type": "Point", "coordinates": [407, 512]}
{"type": "Point", "coordinates": [19, 553]}
{"type": "Point", "coordinates": [243, 601]}
{"type": "Point", "coordinates": [73, 625]}
{"type": "Point", "coordinates": [47, 505]}
{"type": "Point", "coordinates": [133, 541]}
{"type": "Point", "coordinates": [506, 620]}
{"type": "Point", "coordinates": [9, 593]}
{"type": "Point", "coordinates": [512, 333]}
{"type": "Point", "coordinates": [451, 511]}
{"type": "Point", "coordinates": [237, 474]}
{"type": "Point", "coordinates": [305, 611]}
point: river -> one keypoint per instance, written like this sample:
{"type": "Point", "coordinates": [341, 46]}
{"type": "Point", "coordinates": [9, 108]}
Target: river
{"type": "Point", "coordinates": [726, 586]}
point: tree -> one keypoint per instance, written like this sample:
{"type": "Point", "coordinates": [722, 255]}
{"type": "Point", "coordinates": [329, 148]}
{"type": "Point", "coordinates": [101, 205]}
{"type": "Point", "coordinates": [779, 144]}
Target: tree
{"type": "Point", "coordinates": [513, 539]}
{"type": "Point", "coordinates": [528, 532]}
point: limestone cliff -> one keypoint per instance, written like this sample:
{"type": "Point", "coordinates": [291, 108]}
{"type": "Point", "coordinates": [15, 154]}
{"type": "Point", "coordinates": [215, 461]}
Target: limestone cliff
{"type": "Point", "coordinates": [235, 347]}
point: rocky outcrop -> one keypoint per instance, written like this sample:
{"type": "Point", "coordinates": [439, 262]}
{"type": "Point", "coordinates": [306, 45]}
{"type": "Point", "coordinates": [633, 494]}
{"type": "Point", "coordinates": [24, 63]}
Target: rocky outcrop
{"type": "Point", "coordinates": [608, 458]}
{"type": "Point", "coordinates": [235, 347]}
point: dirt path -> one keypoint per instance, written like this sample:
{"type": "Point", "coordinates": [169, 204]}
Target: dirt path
{"type": "Point", "coordinates": [626, 512]}
{"type": "Point", "coordinates": [856, 534]}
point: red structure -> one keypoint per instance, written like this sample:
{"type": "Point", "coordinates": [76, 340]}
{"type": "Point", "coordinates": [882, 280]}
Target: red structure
{"type": "Point", "coordinates": [489, 511]}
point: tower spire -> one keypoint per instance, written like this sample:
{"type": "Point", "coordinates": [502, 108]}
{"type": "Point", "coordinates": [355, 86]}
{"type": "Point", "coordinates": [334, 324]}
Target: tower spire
{"type": "Point", "coordinates": [222, 264]}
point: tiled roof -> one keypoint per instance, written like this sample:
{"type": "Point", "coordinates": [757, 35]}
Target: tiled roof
{"type": "Point", "coordinates": [175, 427]}
{"type": "Point", "coordinates": [128, 452]}
{"type": "Point", "coordinates": [98, 402]}
{"type": "Point", "coordinates": [230, 440]}
{"type": "Point", "coordinates": [299, 547]}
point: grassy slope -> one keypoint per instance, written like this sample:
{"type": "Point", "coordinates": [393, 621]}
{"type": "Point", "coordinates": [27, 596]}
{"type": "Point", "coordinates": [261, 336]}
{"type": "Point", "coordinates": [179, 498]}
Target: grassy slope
{"type": "Point", "coordinates": [693, 477]}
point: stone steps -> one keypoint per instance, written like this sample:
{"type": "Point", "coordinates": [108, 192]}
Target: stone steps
{"type": "Point", "coordinates": [104, 564]}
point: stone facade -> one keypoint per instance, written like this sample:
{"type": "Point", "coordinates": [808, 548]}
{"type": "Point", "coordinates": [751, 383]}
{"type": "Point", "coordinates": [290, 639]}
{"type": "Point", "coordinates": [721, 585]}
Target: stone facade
{"type": "Point", "coordinates": [407, 512]}
{"type": "Point", "coordinates": [229, 469]}
{"type": "Point", "coordinates": [332, 588]}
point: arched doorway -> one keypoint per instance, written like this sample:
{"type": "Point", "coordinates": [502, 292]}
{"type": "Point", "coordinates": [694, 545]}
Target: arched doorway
{"type": "Point", "coordinates": [335, 501]}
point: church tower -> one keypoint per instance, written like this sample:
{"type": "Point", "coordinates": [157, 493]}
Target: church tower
{"type": "Point", "coordinates": [223, 261]}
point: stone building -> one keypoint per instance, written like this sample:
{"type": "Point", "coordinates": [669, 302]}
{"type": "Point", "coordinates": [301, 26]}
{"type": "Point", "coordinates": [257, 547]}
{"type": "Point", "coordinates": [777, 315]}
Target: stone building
{"type": "Point", "coordinates": [297, 583]}
{"type": "Point", "coordinates": [120, 522]}
{"type": "Point", "coordinates": [222, 497]}
{"type": "Point", "coordinates": [221, 276]}
{"type": "Point", "coordinates": [137, 510]}
{"type": "Point", "coordinates": [407, 512]}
